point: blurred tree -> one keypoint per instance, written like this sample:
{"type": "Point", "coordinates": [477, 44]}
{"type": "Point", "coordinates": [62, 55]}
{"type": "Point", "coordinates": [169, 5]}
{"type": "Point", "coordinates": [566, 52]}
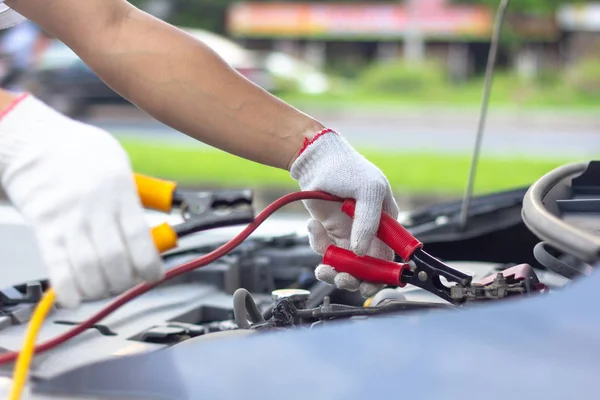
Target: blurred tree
{"type": "Point", "coordinates": [205, 14]}
{"type": "Point", "coordinates": [535, 6]}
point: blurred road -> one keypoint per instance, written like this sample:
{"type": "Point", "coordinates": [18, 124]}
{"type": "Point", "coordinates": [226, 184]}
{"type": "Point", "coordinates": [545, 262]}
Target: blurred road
{"type": "Point", "coordinates": [430, 130]}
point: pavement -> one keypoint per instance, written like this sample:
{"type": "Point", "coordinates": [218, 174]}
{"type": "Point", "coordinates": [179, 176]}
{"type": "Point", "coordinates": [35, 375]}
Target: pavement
{"type": "Point", "coordinates": [439, 130]}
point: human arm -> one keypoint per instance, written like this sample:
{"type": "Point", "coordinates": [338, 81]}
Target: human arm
{"type": "Point", "coordinates": [175, 78]}
{"type": "Point", "coordinates": [181, 82]}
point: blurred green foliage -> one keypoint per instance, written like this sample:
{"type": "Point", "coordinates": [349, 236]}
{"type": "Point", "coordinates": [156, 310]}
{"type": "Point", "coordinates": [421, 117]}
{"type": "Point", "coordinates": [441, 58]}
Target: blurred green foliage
{"type": "Point", "coordinates": [399, 76]}
{"type": "Point", "coordinates": [585, 77]}
{"type": "Point", "coordinates": [393, 84]}
{"type": "Point", "coordinates": [205, 14]}
{"type": "Point", "coordinates": [527, 6]}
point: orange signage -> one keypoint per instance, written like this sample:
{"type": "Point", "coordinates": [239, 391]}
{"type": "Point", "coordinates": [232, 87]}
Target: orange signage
{"type": "Point", "coordinates": [433, 18]}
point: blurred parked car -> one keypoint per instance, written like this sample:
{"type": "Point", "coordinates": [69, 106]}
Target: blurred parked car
{"type": "Point", "coordinates": [61, 79]}
{"type": "Point", "coordinates": [64, 81]}
{"type": "Point", "coordinates": [290, 73]}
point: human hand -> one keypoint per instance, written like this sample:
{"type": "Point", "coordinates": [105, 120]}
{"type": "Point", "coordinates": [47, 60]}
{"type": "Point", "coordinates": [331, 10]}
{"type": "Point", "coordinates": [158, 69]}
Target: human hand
{"type": "Point", "coordinates": [329, 163]}
{"type": "Point", "coordinates": [74, 185]}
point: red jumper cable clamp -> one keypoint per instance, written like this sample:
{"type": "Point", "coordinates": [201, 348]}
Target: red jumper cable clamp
{"type": "Point", "coordinates": [425, 273]}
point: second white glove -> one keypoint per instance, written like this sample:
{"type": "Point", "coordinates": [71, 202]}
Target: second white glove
{"type": "Point", "coordinates": [74, 185]}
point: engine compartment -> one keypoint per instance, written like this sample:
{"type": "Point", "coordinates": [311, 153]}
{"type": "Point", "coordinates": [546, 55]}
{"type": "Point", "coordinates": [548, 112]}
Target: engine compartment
{"type": "Point", "coordinates": [267, 285]}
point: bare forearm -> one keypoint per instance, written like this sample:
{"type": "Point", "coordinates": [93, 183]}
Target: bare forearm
{"type": "Point", "coordinates": [184, 84]}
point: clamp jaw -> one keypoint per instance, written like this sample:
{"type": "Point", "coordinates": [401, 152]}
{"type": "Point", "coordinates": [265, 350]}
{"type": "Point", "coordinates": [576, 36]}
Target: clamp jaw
{"type": "Point", "coordinates": [421, 269]}
{"type": "Point", "coordinates": [200, 210]}
{"type": "Point", "coordinates": [215, 209]}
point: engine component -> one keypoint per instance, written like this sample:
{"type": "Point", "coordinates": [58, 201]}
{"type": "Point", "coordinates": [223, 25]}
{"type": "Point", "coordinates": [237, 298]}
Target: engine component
{"type": "Point", "coordinates": [244, 306]}
{"type": "Point", "coordinates": [286, 314]}
{"type": "Point", "coordinates": [563, 264]}
{"type": "Point", "coordinates": [228, 334]}
{"type": "Point", "coordinates": [29, 293]}
{"type": "Point", "coordinates": [383, 295]}
{"type": "Point", "coordinates": [495, 232]}
{"type": "Point", "coordinates": [259, 265]}
{"type": "Point", "coordinates": [172, 333]}
{"type": "Point", "coordinates": [298, 296]}
{"type": "Point", "coordinates": [563, 209]}
{"type": "Point", "coordinates": [289, 311]}
{"type": "Point", "coordinates": [498, 289]}
{"type": "Point", "coordinates": [518, 280]}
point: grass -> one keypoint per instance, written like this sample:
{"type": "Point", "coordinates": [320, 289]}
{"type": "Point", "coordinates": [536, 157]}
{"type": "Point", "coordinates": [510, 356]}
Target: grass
{"type": "Point", "coordinates": [414, 173]}
{"type": "Point", "coordinates": [508, 92]}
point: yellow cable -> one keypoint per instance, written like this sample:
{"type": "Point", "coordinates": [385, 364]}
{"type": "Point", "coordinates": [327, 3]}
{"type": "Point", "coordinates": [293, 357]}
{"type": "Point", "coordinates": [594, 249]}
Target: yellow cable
{"type": "Point", "coordinates": [24, 360]}
{"type": "Point", "coordinates": [165, 239]}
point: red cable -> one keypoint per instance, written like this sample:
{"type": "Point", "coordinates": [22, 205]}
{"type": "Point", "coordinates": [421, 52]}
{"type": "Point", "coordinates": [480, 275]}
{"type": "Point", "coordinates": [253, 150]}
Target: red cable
{"type": "Point", "coordinates": [187, 267]}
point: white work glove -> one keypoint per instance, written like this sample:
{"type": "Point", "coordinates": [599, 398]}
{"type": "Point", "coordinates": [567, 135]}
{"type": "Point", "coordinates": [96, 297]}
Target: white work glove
{"type": "Point", "coordinates": [330, 164]}
{"type": "Point", "coordinates": [74, 185]}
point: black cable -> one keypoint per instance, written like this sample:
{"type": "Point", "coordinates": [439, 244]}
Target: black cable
{"type": "Point", "coordinates": [548, 257]}
{"type": "Point", "coordinates": [339, 311]}
{"type": "Point", "coordinates": [244, 306]}
{"type": "Point", "coordinates": [268, 313]}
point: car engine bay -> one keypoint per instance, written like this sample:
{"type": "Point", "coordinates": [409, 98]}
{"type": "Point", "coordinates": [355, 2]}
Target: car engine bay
{"type": "Point", "coordinates": [521, 243]}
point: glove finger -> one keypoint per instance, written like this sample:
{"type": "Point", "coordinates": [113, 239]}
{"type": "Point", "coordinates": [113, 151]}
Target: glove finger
{"type": "Point", "coordinates": [62, 280]}
{"type": "Point", "coordinates": [326, 273]}
{"type": "Point", "coordinates": [317, 236]}
{"type": "Point", "coordinates": [336, 224]}
{"type": "Point", "coordinates": [346, 281]}
{"type": "Point", "coordinates": [320, 209]}
{"type": "Point", "coordinates": [112, 252]}
{"type": "Point", "coordinates": [368, 289]}
{"type": "Point", "coordinates": [85, 265]}
{"type": "Point", "coordinates": [144, 257]}
{"type": "Point", "coordinates": [381, 250]}
{"type": "Point", "coordinates": [390, 206]}
{"type": "Point", "coordinates": [366, 219]}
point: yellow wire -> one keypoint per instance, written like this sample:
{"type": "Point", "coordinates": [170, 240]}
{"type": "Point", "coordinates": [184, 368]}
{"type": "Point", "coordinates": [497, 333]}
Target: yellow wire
{"type": "Point", "coordinates": [24, 360]}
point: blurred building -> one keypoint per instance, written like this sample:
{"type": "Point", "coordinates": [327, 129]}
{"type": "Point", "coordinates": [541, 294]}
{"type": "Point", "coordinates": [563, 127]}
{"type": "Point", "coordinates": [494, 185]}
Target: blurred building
{"type": "Point", "coordinates": [580, 24]}
{"type": "Point", "coordinates": [414, 29]}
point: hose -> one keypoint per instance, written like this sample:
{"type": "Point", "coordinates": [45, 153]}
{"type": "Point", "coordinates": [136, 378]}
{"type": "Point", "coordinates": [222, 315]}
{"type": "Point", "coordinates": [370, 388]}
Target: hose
{"type": "Point", "coordinates": [182, 269]}
{"type": "Point", "coordinates": [548, 257]}
{"type": "Point", "coordinates": [244, 306]}
{"type": "Point", "coordinates": [340, 310]}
